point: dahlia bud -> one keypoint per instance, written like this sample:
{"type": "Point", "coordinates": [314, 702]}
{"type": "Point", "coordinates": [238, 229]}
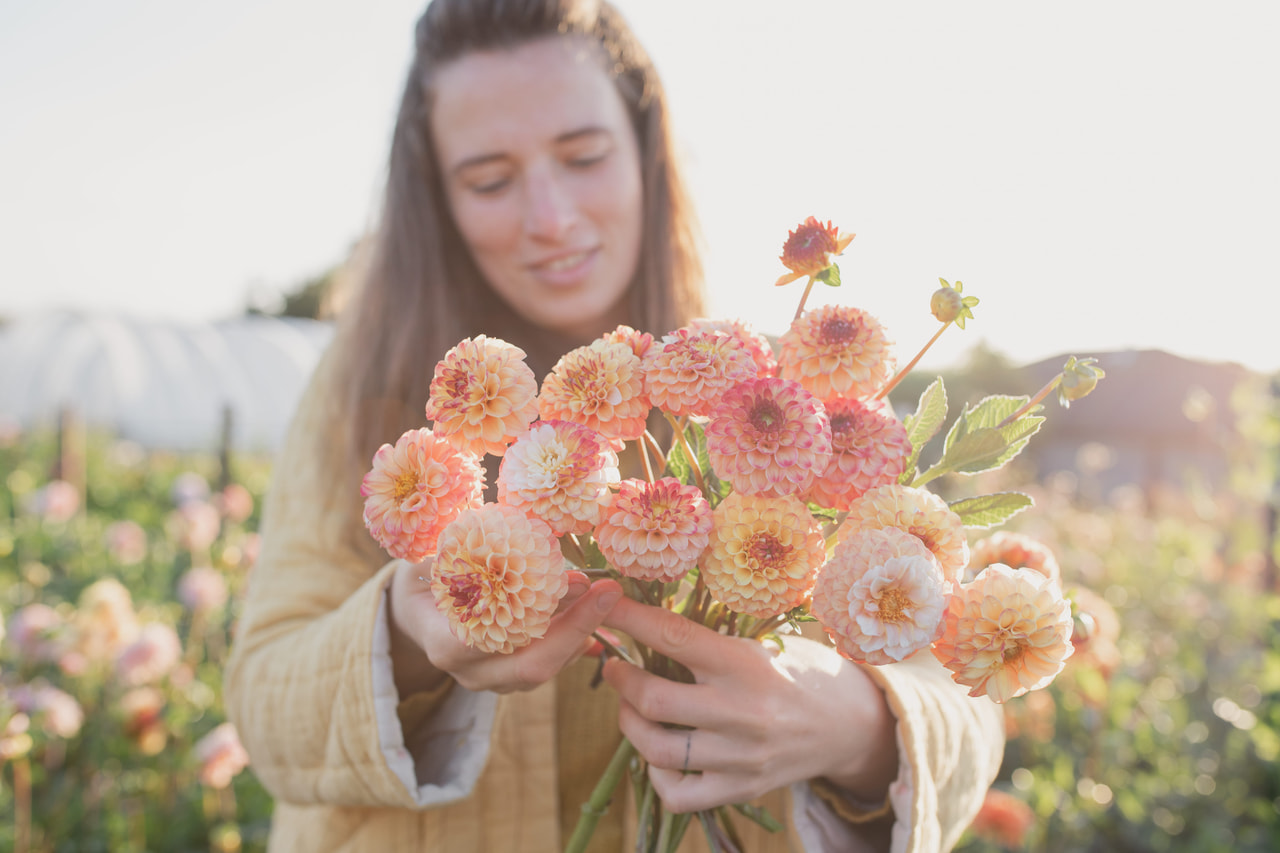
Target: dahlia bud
{"type": "Point", "coordinates": [949, 306]}
{"type": "Point", "coordinates": [1079, 377]}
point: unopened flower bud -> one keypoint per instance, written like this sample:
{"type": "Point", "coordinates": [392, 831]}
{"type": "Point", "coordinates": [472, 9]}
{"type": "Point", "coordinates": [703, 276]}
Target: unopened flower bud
{"type": "Point", "coordinates": [945, 304]}
{"type": "Point", "coordinates": [1079, 377]}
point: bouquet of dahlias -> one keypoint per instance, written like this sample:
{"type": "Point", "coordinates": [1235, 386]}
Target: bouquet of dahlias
{"type": "Point", "coordinates": [790, 491]}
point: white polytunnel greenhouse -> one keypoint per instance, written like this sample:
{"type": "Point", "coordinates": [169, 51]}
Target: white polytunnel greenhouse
{"type": "Point", "coordinates": [161, 384]}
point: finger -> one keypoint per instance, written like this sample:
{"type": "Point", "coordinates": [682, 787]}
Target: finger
{"type": "Point", "coordinates": [696, 646]}
{"type": "Point", "coordinates": [578, 586]}
{"type": "Point", "coordinates": [567, 638]}
{"type": "Point", "coordinates": [664, 701]}
{"type": "Point", "coordinates": [690, 792]}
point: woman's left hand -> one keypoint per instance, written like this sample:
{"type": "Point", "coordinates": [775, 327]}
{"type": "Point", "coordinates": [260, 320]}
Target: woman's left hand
{"type": "Point", "coordinates": [758, 717]}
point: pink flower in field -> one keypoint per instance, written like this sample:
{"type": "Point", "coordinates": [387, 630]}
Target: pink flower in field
{"type": "Point", "coordinates": [640, 342]}
{"type": "Point", "coordinates": [869, 448]}
{"type": "Point", "coordinates": [498, 577]}
{"type": "Point", "coordinates": [415, 488]}
{"type": "Point", "coordinates": [221, 756]}
{"type": "Point", "coordinates": [691, 370]}
{"type": "Point", "coordinates": [764, 554]}
{"type": "Point", "coordinates": [483, 395]}
{"type": "Point", "coordinates": [202, 589]}
{"type": "Point", "coordinates": [35, 632]}
{"type": "Point", "coordinates": [150, 657]}
{"type": "Point", "coordinates": [1006, 633]}
{"type": "Point", "coordinates": [187, 487]}
{"type": "Point", "coordinates": [235, 502]}
{"type": "Point", "coordinates": [104, 621]}
{"type": "Point", "coordinates": [126, 542]}
{"type": "Point", "coordinates": [754, 342]}
{"type": "Point", "coordinates": [1015, 550]}
{"type": "Point", "coordinates": [57, 712]}
{"type": "Point", "coordinates": [143, 711]}
{"type": "Point", "coordinates": [915, 511]}
{"type": "Point", "coordinates": [655, 531]}
{"type": "Point", "coordinates": [56, 501]}
{"type": "Point", "coordinates": [1004, 819]}
{"type": "Point", "coordinates": [769, 437]}
{"type": "Point", "coordinates": [600, 386]}
{"type": "Point", "coordinates": [196, 525]}
{"type": "Point", "coordinates": [809, 249]}
{"type": "Point", "coordinates": [880, 597]}
{"type": "Point", "coordinates": [560, 472]}
{"type": "Point", "coordinates": [836, 351]}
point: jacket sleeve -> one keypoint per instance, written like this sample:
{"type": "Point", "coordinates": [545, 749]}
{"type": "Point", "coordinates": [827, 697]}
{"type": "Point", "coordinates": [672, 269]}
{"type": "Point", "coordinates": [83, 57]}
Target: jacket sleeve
{"type": "Point", "coordinates": [309, 675]}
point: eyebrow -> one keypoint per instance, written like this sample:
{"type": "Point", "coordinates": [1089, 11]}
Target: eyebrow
{"type": "Point", "coordinates": [481, 159]}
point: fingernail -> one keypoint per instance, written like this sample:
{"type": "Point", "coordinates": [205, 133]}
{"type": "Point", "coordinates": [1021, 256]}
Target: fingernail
{"type": "Point", "coordinates": [608, 598]}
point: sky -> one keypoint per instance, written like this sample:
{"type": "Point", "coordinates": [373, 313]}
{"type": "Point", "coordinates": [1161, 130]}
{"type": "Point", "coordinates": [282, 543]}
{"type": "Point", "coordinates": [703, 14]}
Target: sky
{"type": "Point", "coordinates": [1102, 175]}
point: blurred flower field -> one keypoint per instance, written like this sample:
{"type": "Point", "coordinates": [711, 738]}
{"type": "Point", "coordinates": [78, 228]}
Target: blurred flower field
{"type": "Point", "coordinates": [121, 570]}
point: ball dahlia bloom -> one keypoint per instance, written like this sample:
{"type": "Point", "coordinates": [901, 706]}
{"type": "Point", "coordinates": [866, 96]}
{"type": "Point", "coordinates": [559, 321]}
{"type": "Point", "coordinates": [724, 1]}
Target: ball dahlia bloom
{"type": "Point", "coordinates": [601, 386]}
{"type": "Point", "coordinates": [1006, 633]}
{"type": "Point", "coordinates": [836, 351]}
{"type": "Point", "coordinates": [809, 249]}
{"type": "Point", "coordinates": [640, 342]}
{"type": "Point", "coordinates": [751, 340]}
{"type": "Point", "coordinates": [655, 531]}
{"type": "Point", "coordinates": [560, 472]}
{"type": "Point", "coordinates": [915, 511]}
{"type": "Point", "coordinates": [880, 597]}
{"type": "Point", "coordinates": [764, 554]}
{"type": "Point", "coordinates": [498, 577]}
{"type": "Point", "coordinates": [483, 395]}
{"type": "Point", "coordinates": [150, 657]}
{"type": "Point", "coordinates": [1015, 550]}
{"type": "Point", "coordinates": [221, 756]}
{"type": "Point", "coordinates": [689, 373]}
{"type": "Point", "coordinates": [869, 448]}
{"type": "Point", "coordinates": [415, 488]}
{"type": "Point", "coordinates": [769, 437]}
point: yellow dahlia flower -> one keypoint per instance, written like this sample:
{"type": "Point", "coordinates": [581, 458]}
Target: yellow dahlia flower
{"type": "Point", "coordinates": [560, 472]}
{"type": "Point", "coordinates": [655, 531]}
{"type": "Point", "coordinates": [915, 511]}
{"type": "Point", "coordinates": [836, 351]}
{"type": "Point", "coordinates": [483, 395]}
{"type": "Point", "coordinates": [601, 386]}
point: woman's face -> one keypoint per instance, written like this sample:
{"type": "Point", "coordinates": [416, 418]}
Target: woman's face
{"type": "Point", "coordinates": [542, 172]}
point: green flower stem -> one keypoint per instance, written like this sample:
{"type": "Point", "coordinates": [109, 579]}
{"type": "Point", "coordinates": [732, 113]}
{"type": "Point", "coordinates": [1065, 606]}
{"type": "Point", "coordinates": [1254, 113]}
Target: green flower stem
{"type": "Point", "coordinates": [612, 648]}
{"type": "Point", "coordinates": [804, 297]}
{"type": "Point", "coordinates": [651, 444]}
{"type": "Point", "coordinates": [902, 374]}
{"type": "Point", "coordinates": [1034, 401]}
{"type": "Point", "coordinates": [579, 556]}
{"type": "Point", "coordinates": [643, 447]}
{"type": "Point", "coordinates": [598, 804]}
{"type": "Point", "coordinates": [688, 454]}
{"type": "Point", "coordinates": [664, 832]}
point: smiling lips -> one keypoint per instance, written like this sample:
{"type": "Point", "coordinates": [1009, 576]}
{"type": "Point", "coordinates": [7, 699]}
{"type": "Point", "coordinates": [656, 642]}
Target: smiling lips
{"type": "Point", "coordinates": [562, 262]}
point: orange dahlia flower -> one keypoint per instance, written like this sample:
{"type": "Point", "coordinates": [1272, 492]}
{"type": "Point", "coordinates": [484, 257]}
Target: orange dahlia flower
{"type": "Point", "coordinates": [809, 249]}
{"type": "Point", "coordinates": [836, 351]}
{"type": "Point", "coordinates": [754, 342]}
{"type": "Point", "coordinates": [880, 597]}
{"type": "Point", "coordinates": [1015, 550]}
{"type": "Point", "coordinates": [415, 488]}
{"type": "Point", "coordinates": [692, 369]}
{"type": "Point", "coordinates": [869, 448]}
{"type": "Point", "coordinates": [483, 395]}
{"type": "Point", "coordinates": [764, 554]}
{"type": "Point", "coordinates": [655, 531]}
{"type": "Point", "coordinates": [1006, 633]}
{"type": "Point", "coordinates": [498, 577]}
{"type": "Point", "coordinates": [769, 437]}
{"type": "Point", "coordinates": [640, 342]}
{"type": "Point", "coordinates": [1004, 819]}
{"type": "Point", "coordinates": [560, 472]}
{"type": "Point", "coordinates": [601, 386]}
{"type": "Point", "coordinates": [920, 513]}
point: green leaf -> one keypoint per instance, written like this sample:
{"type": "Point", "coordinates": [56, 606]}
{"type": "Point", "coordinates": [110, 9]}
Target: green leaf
{"type": "Point", "coordinates": [990, 510]}
{"type": "Point", "coordinates": [760, 815]}
{"type": "Point", "coordinates": [830, 276]}
{"type": "Point", "coordinates": [978, 441]}
{"type": "Point", "coordinates": [924, 424]}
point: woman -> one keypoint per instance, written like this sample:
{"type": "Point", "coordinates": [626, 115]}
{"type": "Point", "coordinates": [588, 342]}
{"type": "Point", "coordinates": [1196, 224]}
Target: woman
{"type": "Point", "coordinates": [533, 196]}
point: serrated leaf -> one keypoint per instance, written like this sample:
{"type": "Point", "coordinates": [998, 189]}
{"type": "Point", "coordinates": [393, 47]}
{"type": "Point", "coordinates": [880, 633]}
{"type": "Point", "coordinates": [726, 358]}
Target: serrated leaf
{"type": "Point", "coordinates": [974, 451]}
{"type": "Point", "coordinates": [990, 510]}
{"type": "Point", "coordinates": [924, 423]}
{"type": "Point", "coordinates": [978, 442]}
{"type": "Point", "coordinates": [830, 276]}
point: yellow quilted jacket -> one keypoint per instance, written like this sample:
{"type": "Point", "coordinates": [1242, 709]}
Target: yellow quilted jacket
{"type": "Point", "coordinates": [354, 767]}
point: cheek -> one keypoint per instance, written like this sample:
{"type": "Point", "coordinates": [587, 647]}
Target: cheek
{"type": "Point", "coordinates": [487, 226]}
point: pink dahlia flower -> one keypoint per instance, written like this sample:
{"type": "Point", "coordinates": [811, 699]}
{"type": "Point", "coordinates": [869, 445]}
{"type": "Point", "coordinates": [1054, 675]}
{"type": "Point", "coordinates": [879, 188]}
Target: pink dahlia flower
{"type": "Point", "coordinates": [1015, 550]}
{"type": "Point", "coordinates": [809, 249]}
{"type": "Point", "coordinates": [692, 369]}
{"type": "Point", "coordinates": [920, 513]}
{"type": "Point", "coordinates": [764, 554]}
{"type": "Point", "coordinates": [640, 342]}
{"type": "Point", "coordinates": [58, 712]}
{"type": "Point", "coordinates": [56, 501]}
{"type": "Point", "coordinates": [126, 542]}
{"type": "Point", "coordinates": [415, 488]}
{"type": "Point", "coordinates": [483, 395]}
{"type": "Point", "coordinates": [560, 472]}
{"type": "Point", "coordinates": [498, 577]}
{"type": "Point", "coordinates": [202, 589]}
{"type": "Point", "coordinates": [836, 351]}
{"type": "Point", "coordinates": [769, 437]}
{"type": "Point", "coordinates": [655, 531]}
{"type": "Point", "coordinates": [751, 340]}
{"type": "Point", "coordinates": [1006, 633]}
{"type": "Point", "coordinates": [150, 657]}
{"type": "Point", "coordinates": [880, 597]}
{"type": "Point", "coordinates": [221, 756]}
{"type": "Point", "coordinates": [869, 448]}
{"type": "Point", "coordinates": [35, 632]}
{"type": "Point", "coordinates": [600, 386]}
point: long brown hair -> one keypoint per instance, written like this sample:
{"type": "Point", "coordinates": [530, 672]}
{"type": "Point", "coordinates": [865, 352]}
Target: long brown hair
{"type": "Point", "coordinates": [422, 293]}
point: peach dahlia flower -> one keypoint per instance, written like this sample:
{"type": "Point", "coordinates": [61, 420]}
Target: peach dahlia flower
{"type": "Point", "coordinates": [640, 342]}
{"type": "Point", "coordinates": [751, 340]}
{"type": "Point", "coordinates": [655, 531]}
{"type": "Point", "coordinates": [1006, 633]}
{"type": "Point", "coordinates": [560, 472]}
{"type": "Point", "coordinates": [769, 437]}
{"type": "Point", "coordinates": [764, 554]}
{"type": "Point", "coordinates": [415, 488]}
{"type": "Point", "coordinates": [1015, 550]}
{"type": "Point", "coordinates": [483, 395]}
{"type": "Point", "coordinates": [880, 597]}
{"type": "Point", "coordinates": [692, 369]}
{"type": "Point", "coordinates": [836, 351]}
{"type": "Point", "coordinates": [915, 511]}
{"type": "Point", "coordinates": [601, 386]}
{"type": "Point", "coordinates": [498, 577]}
{"type": "Point", "coordinates": [869, 448]}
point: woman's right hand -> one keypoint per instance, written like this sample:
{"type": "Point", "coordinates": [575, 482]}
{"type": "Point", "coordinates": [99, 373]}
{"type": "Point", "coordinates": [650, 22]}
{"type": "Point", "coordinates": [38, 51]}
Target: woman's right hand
{"type": "Point", "coordinates": [424, 650]}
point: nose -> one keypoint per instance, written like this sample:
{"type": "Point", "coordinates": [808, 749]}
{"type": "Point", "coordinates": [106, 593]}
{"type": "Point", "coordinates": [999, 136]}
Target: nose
{"type": "Point", "coordinates": [550, 211]}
